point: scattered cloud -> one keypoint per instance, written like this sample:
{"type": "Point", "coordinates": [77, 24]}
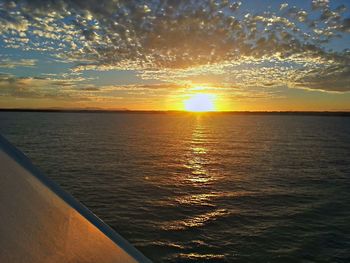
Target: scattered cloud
{"type": "Point", "coordinates": [37, 87]}
{"type": "Point", "coordinates": [178, 41]}
{"type": "Point", "coordinates": [8, 63]}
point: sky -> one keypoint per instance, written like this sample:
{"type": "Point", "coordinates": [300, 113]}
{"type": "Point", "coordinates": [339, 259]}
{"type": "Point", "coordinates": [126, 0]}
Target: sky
{"type": "Point", "coordinates": [156, 55]}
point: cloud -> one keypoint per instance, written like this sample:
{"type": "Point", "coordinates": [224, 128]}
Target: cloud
{"type": "Point", "coordinates": [8, 63]}
{"type": "Point", "coordinates": [345, 25]}
{"type": "Point", "coordinates": [75, 88]}
{"type": "Point", "coordinates": [334, 78]}
{"type": "Point", "coordinates": [283, 6]}
{"type": "Point", "coordinates": [37, 87]}
{"type": "Point", "coordinates": [320, 4]}
{"type": "Point", "coordinates": [176, 40]}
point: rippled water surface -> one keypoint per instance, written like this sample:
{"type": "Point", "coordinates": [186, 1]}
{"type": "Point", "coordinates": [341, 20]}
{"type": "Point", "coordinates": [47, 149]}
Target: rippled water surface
{"type": "Point", "coordinates": [203, 188]}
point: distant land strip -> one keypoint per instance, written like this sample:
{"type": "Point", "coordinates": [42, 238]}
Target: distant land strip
{"type": "Point", "coordinates": [305, 113]}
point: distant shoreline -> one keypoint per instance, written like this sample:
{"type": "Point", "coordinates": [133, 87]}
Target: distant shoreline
{"type": "Point", "coordinates": [302, 113]}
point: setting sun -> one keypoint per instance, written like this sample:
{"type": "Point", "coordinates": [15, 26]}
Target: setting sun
{"type": "Point", "coordinates": [200, 103]}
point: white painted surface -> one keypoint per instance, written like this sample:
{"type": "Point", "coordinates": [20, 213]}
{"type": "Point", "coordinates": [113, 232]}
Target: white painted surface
{"type": "Point", "coordinates": [38, 224]}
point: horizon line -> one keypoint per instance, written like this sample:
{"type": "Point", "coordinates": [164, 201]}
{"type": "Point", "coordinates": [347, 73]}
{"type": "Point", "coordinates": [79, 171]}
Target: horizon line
{"type": "Point", "coordinates": [247, 112]}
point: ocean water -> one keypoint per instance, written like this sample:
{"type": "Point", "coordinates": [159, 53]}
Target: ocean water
{"type": "Point", "coordinates": [203, 188]}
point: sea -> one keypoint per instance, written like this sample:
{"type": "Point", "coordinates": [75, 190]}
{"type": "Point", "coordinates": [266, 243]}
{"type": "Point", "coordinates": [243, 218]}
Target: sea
{"type": "Point", "coordinates": [185, 187]}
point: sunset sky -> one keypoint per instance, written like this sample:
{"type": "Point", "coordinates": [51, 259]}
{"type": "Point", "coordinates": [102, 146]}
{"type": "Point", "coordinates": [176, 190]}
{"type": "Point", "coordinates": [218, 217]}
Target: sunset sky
{"type": "Point", "coordinates": [159, 55]}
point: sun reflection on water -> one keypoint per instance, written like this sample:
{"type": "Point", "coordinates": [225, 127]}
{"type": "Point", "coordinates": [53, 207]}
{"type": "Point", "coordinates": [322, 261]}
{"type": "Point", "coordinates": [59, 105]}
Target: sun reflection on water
{"type": "Point", "coordinates": [198, 155]}
{"type": "Point", "coordinates": [197, 199]}
{"type": "Point", "coordinates": [195, 221]}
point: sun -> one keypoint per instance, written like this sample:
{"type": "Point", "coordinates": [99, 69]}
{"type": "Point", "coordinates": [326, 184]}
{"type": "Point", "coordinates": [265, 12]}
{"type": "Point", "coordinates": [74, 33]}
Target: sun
{"type": "Point", "coordinates": [200, 103]}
